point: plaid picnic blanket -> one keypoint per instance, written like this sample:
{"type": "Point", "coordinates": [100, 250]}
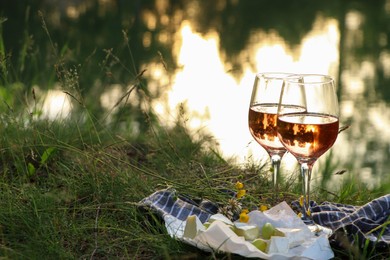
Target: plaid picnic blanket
{"type": "Point", "coordinates": [358, 223]}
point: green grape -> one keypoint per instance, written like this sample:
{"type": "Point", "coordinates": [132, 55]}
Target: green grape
{"type": "Point", "coordinates": [268, 230]}
{"type": "Point", "coordinates": [260, 244]}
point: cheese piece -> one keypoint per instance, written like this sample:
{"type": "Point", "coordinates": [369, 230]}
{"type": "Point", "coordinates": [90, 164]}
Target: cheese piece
{"type": "Point", "coordinates": [220, 217]}
{"type": "Point", "coordinates": [193, 227]}
{"type": "Point", "coordinates": [249, 232]}
{"type": "Point", "coordinates": [295, 236]}
{"type": "Point", "coordinates": [278, 245]}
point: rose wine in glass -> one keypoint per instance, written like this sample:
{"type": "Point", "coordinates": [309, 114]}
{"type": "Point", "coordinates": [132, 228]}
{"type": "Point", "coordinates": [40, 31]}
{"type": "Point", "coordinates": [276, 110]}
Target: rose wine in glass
{"type": "Point", "coordinates": [307, 134]}
{"type": "Point", "coordinates": [262, 118]}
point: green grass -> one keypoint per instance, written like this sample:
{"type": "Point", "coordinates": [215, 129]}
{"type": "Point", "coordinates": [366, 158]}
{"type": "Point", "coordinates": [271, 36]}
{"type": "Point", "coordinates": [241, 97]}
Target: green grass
{"type": "Point", "coordinates": [81, 199]}
{"type": "Point", "coordinates": [69, 188]}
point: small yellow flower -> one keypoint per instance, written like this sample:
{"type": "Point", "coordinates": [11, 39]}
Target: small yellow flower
{"type": "Point", "coordinates": [301, 201]}
{"type": "Point", "coordinates": [308, 212]}
{"type": "Point", "coordinates": [263, 207]}
{"type": "Point", "coordinates": [239, 185]}
{"type": "Point", "coordinates": [300, 214]}
{"type": "Point", "coordinates": [244, 217]}
{"type": "Point", "coordinates": [241, 193]}
{"type": "Point", "coordinates": [245, 211]}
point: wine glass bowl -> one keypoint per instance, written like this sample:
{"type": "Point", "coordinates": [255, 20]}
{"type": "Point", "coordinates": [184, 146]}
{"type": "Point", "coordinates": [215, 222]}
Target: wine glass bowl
{"type": "Point", "coordinates": [307, 137]}
{"type": "Point", "coordinates": [262, 125]}
{"type": "Point", "coordinates": [307, 123]}
{"type": "Point", "coordinates": [262, 117]}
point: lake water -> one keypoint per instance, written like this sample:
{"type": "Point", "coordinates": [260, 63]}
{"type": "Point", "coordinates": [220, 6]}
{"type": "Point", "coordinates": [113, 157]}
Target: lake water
{"type": "Point", "coordinates": [203, 56]}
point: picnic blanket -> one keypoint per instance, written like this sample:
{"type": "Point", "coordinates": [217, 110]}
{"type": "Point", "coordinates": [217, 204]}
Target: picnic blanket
{"type": "Point", "coordinates": [357, 223]}
{"type": "Point", "coordinates": [360, 223]}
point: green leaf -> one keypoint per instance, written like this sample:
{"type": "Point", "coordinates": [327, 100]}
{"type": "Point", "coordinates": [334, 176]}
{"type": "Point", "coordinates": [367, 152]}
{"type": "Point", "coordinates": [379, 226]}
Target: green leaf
{"type": "Point", "coordinates": [31, 169]}
{"type": "Point", "coordinates": [46, 155]}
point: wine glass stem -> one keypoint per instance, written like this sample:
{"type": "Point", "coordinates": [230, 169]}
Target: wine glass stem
{"type": "Point", "coordinates": [306, 176]}
{"type": "Point", "coordinates": [275, 160]}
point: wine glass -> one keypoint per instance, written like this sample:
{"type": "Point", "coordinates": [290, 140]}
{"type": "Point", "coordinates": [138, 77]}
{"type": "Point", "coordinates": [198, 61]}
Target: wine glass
{"type": "Point", "coordinates": [263, 116]}
{"type": "Point", "coordinates": [307, 123]}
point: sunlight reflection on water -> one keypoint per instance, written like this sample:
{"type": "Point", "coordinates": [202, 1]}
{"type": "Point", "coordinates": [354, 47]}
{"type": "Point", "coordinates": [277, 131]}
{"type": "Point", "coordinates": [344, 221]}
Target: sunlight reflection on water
{"type": "Point", "coordinates": [217, 101]}
{"type": "Point", "coordinates": [56, 105]}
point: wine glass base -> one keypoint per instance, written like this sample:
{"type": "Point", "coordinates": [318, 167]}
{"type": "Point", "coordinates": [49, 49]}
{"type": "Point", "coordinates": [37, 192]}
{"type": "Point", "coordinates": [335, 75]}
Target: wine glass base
{"type": "Point", "coordinates": [319, 230]}
{"type": "Point", "coordinates": [315, 228]}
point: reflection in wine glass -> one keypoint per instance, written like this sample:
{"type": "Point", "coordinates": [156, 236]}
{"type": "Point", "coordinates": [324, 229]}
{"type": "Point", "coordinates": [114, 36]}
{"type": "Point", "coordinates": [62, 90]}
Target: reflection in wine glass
{"type": "Point", "coordinates": [262, 117]}
{"type": "Point", "coordinates": [307, 123]}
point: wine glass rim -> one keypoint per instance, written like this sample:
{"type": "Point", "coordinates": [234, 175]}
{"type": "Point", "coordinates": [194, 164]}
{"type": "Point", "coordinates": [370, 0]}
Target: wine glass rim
{"type": "Point", "coordinates": [274, 74]}
{"type": "Point", "coordinates": [310, 78]}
